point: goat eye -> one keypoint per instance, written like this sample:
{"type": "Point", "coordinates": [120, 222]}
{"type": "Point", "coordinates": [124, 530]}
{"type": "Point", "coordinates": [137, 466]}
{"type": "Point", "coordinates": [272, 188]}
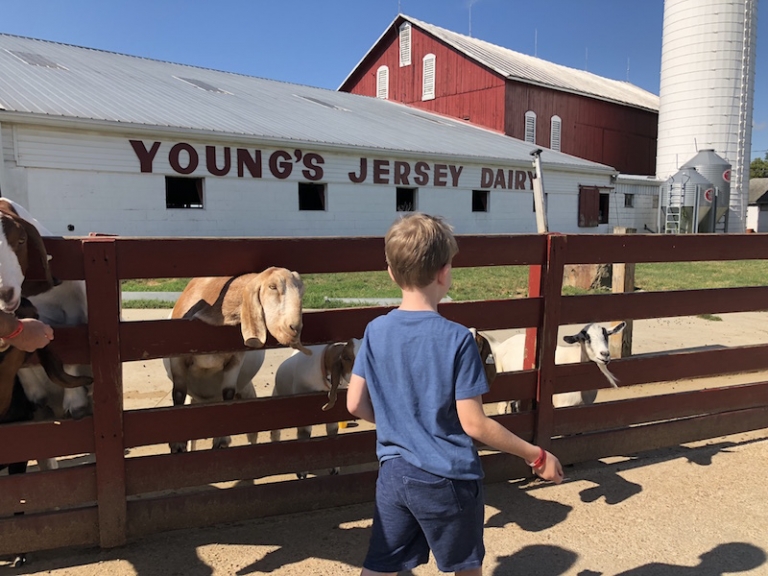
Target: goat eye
{"type": "Point", "coordinates": [273, 286]}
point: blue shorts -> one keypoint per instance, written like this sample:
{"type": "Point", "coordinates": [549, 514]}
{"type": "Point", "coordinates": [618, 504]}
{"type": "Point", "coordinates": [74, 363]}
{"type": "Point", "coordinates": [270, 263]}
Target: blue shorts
{"type": "Point", "coordinates": [417, 512]}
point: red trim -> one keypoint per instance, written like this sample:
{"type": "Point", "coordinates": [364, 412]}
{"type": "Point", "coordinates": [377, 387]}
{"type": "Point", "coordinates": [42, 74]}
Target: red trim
{"type": "Point", "coordinates": [16, 331]}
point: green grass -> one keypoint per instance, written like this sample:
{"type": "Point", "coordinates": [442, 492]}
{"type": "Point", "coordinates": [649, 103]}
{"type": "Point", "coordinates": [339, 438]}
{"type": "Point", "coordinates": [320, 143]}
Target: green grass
{"type": "Point", "coordinates": [491, 283]}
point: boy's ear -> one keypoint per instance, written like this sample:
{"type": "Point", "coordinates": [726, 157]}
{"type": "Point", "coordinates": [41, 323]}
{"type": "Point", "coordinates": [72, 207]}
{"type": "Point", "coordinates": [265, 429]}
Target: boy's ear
{"type": "Point", "coordinates": [389, 271]}
{"type": "Point", "coordinates": [442, 274]}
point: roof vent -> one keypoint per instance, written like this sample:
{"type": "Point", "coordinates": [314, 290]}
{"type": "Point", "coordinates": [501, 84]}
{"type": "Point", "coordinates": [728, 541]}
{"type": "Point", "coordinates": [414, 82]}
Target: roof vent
{"type": "Point", "coordinates": [321, 102]}
{"type": "Point", "coordinates": [35, 59]}
{"type": "Point", "coordinates": [203, 85]}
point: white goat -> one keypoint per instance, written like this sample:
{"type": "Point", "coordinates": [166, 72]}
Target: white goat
{"type": "Point", "coordinates": [592, 346]}
{"type": "Point", "coordinates": [57, 303]}
{"type": "Point", "coordinates": [326, 370]}
{"type": "Point", "coordinates": [267, 301]}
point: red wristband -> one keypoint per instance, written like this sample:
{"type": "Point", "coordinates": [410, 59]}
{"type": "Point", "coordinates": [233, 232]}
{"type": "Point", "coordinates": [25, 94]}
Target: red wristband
{"type": "Point", "coordinates": [16, 331]}
{"type": "Point", "coordinates": [540, 461]}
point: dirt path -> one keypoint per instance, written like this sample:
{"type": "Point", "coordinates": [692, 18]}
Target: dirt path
{"type": "Point", "coordinates": [695, 510]}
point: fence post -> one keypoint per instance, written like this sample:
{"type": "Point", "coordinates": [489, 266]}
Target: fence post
{"type": "Point", "coordinates": [623, 280]}
{"type": "Point", "coordinates": [552, 292]}
{"type": "Point", "coordinates": [103, 293]}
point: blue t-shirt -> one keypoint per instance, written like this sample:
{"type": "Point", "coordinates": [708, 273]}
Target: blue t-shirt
{"type": "Point", "coordinates": [416, 365]}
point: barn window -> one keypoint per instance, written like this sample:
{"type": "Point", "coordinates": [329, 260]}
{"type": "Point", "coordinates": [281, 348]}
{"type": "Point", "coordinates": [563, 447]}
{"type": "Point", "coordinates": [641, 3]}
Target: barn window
{"type": "Point", "coordinates": [629, 200]}
{"type": "Point", "coordinates": [554, 133]}
{"type": "Point", "coordinates": [183, 192]}
{"type": "Point", "coordinates": [480, 200]}
{"type": "Point", "coordinates": [405, 44]}
{"type": "Point", "coordinates": [311, 196]}
{"type": "Point", "coordinates": [605, 202]}
{"type": "Point", "coordinates": [382, 82]}
{"type": "Point", "coordinates": [406, 199]}
{"type": "Point", "coordinates": [589, 206]}
{"type": "Point", "coordinates": [428, 81]}
{"type": "Point", "coordinates": [530, 126]}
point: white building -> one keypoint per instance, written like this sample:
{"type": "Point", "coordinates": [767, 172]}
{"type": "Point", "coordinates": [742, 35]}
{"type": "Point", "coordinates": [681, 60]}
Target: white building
{"type": "Point", "coordinates": [95, 141]}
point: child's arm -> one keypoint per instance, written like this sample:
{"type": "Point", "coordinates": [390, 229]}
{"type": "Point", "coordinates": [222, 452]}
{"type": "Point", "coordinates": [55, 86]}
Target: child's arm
{"type": "Point", "coordinates": [358, 400]}
{"type": "Point", "coordinates": [489, 432]}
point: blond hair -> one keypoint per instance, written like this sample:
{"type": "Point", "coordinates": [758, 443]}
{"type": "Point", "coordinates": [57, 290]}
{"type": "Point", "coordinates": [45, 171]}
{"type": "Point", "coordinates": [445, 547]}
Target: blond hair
{"type": "Point", "coordinates": [417, 246]}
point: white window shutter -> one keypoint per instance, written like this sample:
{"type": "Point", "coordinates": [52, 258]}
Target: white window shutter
{"type": "Point", "coordinates": [428, 83]}
{"type": "Point", "coordinates": [554, 135]}
{"type": "Point", "coordinates": [405, 44]}
{"type": "Point", "coordinates": [530, 126]}
{"type": "Point", "coordinates": [382, 82]}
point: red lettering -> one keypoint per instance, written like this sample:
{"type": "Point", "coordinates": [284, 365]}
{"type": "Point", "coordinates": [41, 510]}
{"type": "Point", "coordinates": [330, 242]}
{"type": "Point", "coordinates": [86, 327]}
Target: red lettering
{"type": "Point", "coordinates": [486, 177]}
{"type": "Point", "coordinates": [145, 156]}
{"type": "Point", "coordinates": [280, 164]}
{"type": "Point", "coordinates": [422, 177]}
{"type": "Point", "coordinates": [210, 161]}
{"type": "Point", "coordinates": [381, 171]}
{"type": "Point", "coordinates": [402, 170]}
{"type": "Point", "coordinates": [357, 178]}
{"type": "Point", "coordinates": [173, 158]}
{"type": "Point", "coordinates": [313, 170]}
{"type": "Point", "coordinates": [520, 177]}
{"type": "Point", "coordinates": [244, 160]}
{"type": "Point", "coordinates": [455, 173]}
{"type": "Point", "coordinates": [441, 173]}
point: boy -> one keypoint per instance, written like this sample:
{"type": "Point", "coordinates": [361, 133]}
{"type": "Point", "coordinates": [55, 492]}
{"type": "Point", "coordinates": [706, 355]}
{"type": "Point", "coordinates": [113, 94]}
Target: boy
{"type": "Point", "coordinates": [419, 377]}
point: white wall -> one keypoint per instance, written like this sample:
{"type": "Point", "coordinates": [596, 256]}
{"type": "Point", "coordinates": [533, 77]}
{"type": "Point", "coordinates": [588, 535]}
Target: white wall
{"type": "Point", "coordinates": [93, 182]}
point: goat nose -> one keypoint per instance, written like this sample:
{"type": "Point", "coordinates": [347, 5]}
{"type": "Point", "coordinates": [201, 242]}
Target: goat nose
{"type": "Point", "coordinates": [295, 329]}
{"type": "Point", "coordinates": [6, 294]}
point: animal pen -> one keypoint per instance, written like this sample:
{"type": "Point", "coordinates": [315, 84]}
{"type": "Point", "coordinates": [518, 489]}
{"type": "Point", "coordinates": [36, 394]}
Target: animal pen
{"type": "Point", "coordinates": [118, 498]}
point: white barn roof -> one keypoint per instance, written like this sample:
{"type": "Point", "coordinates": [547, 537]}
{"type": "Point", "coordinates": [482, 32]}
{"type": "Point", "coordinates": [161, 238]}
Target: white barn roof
{"type": "Point", "coordinates": [531, 70]}
{"type": "Point", "coordinates": [51, 82]}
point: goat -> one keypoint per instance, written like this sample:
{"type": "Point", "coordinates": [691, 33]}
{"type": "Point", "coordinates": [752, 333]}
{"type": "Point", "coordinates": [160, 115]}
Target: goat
{"type": "Point", "coordinates": [328, 369]}
{"type": "Point", "coordinates": [507, 356]}
{"type": "Point", "coordinates": [258, 302]}
{"type": "Point", "coordinates": [56, 302]}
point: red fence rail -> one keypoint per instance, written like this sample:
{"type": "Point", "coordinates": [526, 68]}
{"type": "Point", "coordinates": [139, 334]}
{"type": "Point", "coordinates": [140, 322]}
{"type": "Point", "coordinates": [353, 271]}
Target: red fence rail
{"type": "Point", "coordinates": [118, 498]}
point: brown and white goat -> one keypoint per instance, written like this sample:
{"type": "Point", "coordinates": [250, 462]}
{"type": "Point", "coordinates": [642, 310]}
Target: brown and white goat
{"type": "Point", "coordinates": [326, 370]}
{"type": "Point", "coordinates": [260, 303]}
{"type": "Point", "coordinates": [57, 303]}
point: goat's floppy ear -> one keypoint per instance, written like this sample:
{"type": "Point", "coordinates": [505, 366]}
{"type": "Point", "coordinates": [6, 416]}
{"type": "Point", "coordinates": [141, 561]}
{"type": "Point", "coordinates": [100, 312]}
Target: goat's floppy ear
{"type": "Point", "coordinates": [334, 361]}
{"type": "Point", "coordinates": [36, 252]}
{"type": "Point", "coordinates": [580, 337]}
{"type": "Point", "coordinates": [253, 324]}
{"type": "Point", "coordinates": [616, 329]}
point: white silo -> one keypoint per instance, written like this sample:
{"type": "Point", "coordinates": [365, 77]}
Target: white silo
{"type": "Point", "coordinates": [707, 89]}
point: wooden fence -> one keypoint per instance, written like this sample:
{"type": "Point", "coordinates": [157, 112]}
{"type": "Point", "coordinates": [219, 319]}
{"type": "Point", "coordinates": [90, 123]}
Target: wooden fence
{"type": "Point", "coordinates": [118, 498]}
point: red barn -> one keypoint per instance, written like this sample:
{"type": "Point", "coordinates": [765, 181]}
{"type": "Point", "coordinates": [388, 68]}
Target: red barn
{"type": "Point", "coordinates": [550, 105]}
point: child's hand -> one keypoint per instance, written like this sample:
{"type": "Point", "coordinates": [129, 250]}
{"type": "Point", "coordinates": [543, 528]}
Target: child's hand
{"type": "Point", "coordinates": [551, 469]}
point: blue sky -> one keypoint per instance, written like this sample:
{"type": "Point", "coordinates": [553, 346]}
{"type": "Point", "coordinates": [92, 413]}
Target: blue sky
{"type": "Point", "coordinates": [318, 42]}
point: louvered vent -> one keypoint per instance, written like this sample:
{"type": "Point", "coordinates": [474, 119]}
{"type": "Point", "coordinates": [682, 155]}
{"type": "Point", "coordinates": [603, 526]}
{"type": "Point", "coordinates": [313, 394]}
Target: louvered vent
{"type": "Point", "coordinates": [428, 83]}
{"type": "Point", "coordinates": [530, 127]}
{"type": "Point", "coordinates": [382, 82]}
{"type": "Point", "coordinates": [405, 44]}
{"type": "Point", "coordinates": [554, 136]}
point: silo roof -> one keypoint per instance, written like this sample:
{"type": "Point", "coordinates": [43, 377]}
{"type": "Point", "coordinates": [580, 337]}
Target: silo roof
{"type": "Point", "coordinates": [53, 81]}
{"type": "Point", "coordinates": [532, 70]}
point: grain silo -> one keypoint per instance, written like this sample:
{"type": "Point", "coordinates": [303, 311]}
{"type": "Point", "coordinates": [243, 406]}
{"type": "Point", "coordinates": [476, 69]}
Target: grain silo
{"type": "Point", "coordinates": [707, 88]}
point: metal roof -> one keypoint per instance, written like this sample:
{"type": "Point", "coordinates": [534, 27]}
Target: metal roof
{"type": "Point", "coordinates": [531, 70]}
{"type": "Point", "coordinates": [67, 82]}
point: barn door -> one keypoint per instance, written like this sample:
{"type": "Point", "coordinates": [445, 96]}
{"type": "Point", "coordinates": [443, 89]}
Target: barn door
{"type": "Point", "coordinates": [589, 206]}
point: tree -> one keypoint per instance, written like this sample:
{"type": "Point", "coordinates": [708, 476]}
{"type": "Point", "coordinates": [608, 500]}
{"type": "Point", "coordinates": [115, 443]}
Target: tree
{"type": "Point", "coordinates": [758, 168]}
